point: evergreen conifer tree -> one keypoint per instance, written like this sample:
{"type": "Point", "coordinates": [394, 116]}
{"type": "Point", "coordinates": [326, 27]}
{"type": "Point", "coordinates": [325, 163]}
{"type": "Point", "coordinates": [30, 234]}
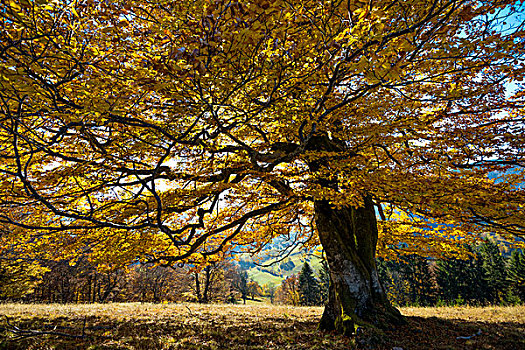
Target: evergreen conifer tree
{"type": "Point", "coordinates": [324, 282]}
{"type": "Point", "coordinates": [393, 280]}
{"type": "Point", "coordinates": [476, 286]}
{"type": "Point", "coordinates": [462, 279]}
{"type": "Point", "coordinates": [516, 274]}
{"type": "Point", "coordinates": [449, 276]}
{"type": "Point", "coordinates": [415, 270]}
{"type": "Point", "coordinates": [308, 287]}
{"type": "Point", "coordinates": [494, 271]}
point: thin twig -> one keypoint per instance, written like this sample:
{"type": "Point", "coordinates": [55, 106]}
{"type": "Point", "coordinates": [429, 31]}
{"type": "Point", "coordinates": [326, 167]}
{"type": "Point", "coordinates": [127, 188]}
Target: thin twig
{"type": "Point", "coordinates": [25, 333]}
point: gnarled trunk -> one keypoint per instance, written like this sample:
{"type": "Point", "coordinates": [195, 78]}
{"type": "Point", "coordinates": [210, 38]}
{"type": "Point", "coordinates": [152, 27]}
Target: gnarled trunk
{"type": "Point", "coordinates": [349, 237]}
{"type": "Point", "coordinates": [356, 297]}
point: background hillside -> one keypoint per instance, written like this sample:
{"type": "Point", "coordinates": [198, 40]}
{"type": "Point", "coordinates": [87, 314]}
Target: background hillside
{"type": "Point", "coordinates": [268, 268]}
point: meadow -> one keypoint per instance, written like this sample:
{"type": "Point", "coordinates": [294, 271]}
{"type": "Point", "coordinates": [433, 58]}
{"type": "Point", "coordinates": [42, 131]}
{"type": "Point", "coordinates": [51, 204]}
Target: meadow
{"type": "Point", "coordinates": [253, 326]}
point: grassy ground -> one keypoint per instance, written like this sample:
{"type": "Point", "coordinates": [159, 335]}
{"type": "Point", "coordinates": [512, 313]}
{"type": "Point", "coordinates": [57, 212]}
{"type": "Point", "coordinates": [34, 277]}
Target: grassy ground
{"type": "Point", "coordinates": [191, 326]}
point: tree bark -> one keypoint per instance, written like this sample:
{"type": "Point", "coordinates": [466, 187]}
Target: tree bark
{"type": "Point", "coordinates": [197, 287]}
{"type": "Point", "coordinates": [349, 238]}
{"type": "Point", "coordinates": [207, 282]}
{"type": "Point", "coordinates": [356, 297]}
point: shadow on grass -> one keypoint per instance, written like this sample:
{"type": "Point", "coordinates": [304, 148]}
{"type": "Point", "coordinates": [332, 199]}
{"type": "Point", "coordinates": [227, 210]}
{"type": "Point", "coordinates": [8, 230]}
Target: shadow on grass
{"type": "Point", "coordinates": [438, 333]}
{"type": "Point", "coordinates": [249, 331]}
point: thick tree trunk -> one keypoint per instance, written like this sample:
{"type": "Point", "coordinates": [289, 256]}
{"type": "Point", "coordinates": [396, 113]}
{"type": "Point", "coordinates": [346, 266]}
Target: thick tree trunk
{"type": "Point", "coordinates": [356, 297]}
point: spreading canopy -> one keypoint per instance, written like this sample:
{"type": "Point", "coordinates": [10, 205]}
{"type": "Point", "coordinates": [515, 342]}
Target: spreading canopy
{"type": "Point", "coordinates": [181, 130]}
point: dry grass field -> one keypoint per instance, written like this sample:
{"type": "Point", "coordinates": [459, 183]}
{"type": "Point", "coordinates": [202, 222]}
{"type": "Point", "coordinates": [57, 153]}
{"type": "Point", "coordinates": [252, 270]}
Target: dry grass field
{"type": "Point", "coordinates": [191, 326]}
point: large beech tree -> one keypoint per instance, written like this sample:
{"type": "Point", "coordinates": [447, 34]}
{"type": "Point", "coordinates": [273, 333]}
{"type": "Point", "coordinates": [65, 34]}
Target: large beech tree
{"type": "Point", "coordinates": [176, 131]}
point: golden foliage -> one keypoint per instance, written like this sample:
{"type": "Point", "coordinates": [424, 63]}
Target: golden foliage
{"type": "Point", "coordinates": [179, 131]}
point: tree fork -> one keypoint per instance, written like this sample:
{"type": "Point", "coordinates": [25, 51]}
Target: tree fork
{"type": "Point", "coordinates": [356, 297]}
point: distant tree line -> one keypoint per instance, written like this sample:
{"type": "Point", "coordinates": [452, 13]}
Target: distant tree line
{"type": "Point", "coordinates": [81, 282]}
{"type": "Point", "coordinates": [305, 289]}
{"type": "Point", "coordinates": [485, 277]}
